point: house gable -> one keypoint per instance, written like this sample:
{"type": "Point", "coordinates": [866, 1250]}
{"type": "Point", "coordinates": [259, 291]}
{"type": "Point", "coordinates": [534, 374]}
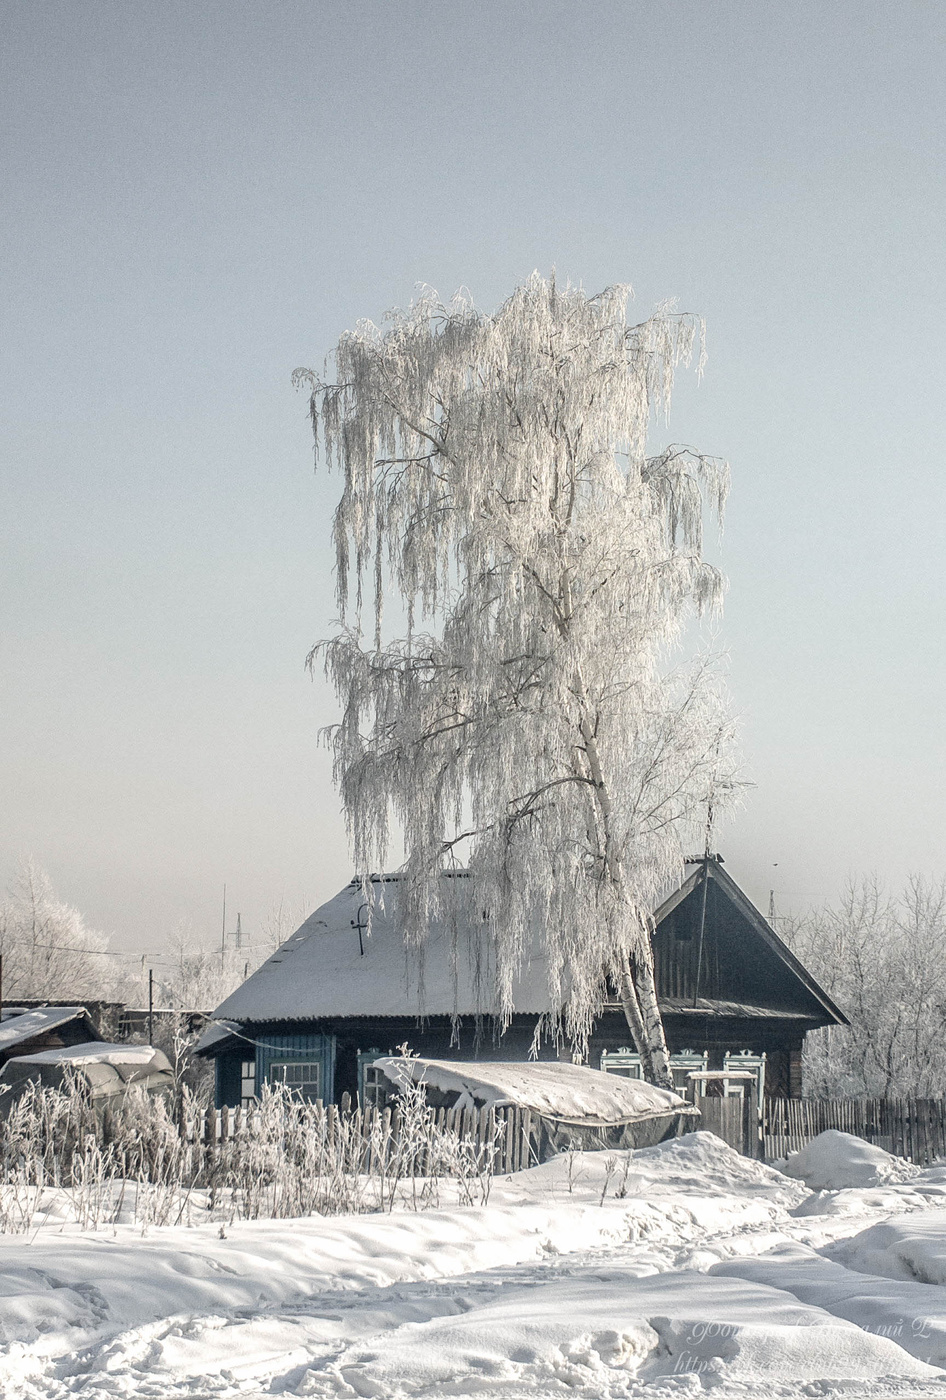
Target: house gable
{"type": "Point", "coordinates": [711, 944]}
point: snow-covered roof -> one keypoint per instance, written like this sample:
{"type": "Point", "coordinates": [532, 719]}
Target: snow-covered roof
{"type": "Point", "coordinates": [93, 1052]}
{"type": "Point", "coordinates": [333, 967]}
{"type": "Point", "coordinates": [321, 970]}
{"type": "Point", "coordinates": [567, 1093]}
{"type": "Point", "coordinates": [29, 1024]}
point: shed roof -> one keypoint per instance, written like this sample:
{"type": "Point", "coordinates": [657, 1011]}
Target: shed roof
{"type": "Point", "coordinates": [27, 1025]}
{"type": "Point", "coordinates": [566, 1093]}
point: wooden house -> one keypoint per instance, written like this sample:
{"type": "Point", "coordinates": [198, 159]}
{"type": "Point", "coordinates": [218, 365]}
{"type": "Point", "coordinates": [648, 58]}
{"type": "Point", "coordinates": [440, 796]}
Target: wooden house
{"type": "Point", "coordinates": [335, 996]}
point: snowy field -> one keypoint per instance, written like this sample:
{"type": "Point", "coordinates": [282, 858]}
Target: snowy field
{"type": "Point", "coordinates": [676, 1271]}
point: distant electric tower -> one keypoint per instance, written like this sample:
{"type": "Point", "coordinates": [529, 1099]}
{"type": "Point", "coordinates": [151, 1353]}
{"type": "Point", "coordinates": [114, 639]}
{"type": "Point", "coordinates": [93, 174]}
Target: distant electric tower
{"type": "Point", "coordinates": [772, 914]}
{"type": "Point", "coordinates": [236, 934]}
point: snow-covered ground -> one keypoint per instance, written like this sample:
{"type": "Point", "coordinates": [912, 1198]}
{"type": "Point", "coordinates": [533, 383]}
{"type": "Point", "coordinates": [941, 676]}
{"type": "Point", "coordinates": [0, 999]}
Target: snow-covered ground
{"type": "Point", "coordinates": [675, 1271]}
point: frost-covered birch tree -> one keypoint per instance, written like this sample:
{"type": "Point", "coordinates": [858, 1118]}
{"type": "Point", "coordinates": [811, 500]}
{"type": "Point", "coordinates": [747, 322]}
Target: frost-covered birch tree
{"type": "Point", "coordinates": [497, 484]}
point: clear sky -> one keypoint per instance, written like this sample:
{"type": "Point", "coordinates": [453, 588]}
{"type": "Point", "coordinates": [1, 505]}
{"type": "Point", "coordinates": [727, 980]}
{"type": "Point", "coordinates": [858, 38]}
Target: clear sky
{"type": "Point", "coordinates": [198, 197]}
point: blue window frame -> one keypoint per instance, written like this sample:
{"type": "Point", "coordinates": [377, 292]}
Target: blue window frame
{"type": "Point", "coordinates": [305, 1062]}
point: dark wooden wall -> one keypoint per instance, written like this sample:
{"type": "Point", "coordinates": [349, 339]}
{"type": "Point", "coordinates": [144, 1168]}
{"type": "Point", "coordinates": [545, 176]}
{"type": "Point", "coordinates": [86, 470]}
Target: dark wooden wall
{"type": "Point", "coordinates": [780, 1041]}
{"type": "Point", "coordinates": [731, 962]}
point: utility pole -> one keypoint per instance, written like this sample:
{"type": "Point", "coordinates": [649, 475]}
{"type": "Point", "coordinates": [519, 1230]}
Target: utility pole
{"type": "Point", "coordinates": [150, 1005]}
{"type": "Point", "coordinates": [223, 932]}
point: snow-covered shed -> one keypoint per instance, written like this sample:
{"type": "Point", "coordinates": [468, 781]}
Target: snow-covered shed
{"type": "Point", "coordinates": [105, 1070]}
{"type": "Point", "coordinates": [570, 1105]}
{"type": "Point", "coordinates": [336, 996]}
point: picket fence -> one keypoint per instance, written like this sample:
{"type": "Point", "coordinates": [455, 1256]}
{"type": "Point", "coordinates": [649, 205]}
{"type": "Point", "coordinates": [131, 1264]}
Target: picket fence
{"type": "Point", "coordinates": [513, 1138]}
{"type": "Point", "coordinates": [907, 1127]}
{"type": "Point", "coordinates": [510, 1136]}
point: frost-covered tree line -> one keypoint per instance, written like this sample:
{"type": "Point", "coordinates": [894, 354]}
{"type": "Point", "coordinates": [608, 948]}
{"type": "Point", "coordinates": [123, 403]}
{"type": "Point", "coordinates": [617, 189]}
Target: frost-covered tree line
{"type": "Point", "coordinates": [522, 717]}
{"type": "Point", "coordinates": [48, 949]}
{"type": "Point", "coordinates": [882, 957]}
{"type": "Point", "coordinates": [50, 953]}
{"type": "Point", "coordinates": [198, 976]}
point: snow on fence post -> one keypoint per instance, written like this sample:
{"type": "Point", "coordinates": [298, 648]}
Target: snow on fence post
{"type": "Point", "coordinates": [500, 1130]}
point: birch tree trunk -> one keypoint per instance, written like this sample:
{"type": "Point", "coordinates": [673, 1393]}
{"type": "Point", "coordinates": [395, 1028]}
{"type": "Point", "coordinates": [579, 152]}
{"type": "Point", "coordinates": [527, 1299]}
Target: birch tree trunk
{"type": "Point", "coordinates": [633, 970]}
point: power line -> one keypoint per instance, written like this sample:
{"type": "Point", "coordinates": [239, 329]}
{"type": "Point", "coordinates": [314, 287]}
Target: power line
{"type": "Point", "coordinates": [69, 948]}
{"type": "Point", "coordinates": [261, 1044]}
{"type": "Point", "coordinates": [110, 953]}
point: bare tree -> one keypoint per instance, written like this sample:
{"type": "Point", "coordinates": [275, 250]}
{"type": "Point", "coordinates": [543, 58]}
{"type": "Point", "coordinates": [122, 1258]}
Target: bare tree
{"type": "Point", "coordinates": [282, 920]}
{"type": "Point", "coordinates": [497, 483]}
{"type": "Point", "coordinates": [197, 977]}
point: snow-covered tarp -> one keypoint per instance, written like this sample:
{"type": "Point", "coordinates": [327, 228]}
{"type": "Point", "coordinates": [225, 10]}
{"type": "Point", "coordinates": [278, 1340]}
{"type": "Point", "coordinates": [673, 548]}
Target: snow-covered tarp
{"type": "Point", "coordinates": [107, 1069]}
{"type": "Point", "coordinates": [564, 1093]}
{"type": "Point", "coordinates": [95, 1052]}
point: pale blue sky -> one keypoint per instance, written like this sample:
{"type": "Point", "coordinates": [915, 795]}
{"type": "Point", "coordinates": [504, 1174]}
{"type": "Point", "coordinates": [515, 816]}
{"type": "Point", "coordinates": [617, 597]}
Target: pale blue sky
{"type": "Point", "coordinates": [201, 196]}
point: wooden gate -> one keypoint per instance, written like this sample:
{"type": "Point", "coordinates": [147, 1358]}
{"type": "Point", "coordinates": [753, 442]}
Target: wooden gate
{"type": "Point", "coordinates": [733, 1119]}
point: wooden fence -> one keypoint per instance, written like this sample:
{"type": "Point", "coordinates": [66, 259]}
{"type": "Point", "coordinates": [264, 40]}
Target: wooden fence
{"type": "Point", "coordinates": [911, 1128]}
{"type": "Point", "coordinates": [511, 1136]}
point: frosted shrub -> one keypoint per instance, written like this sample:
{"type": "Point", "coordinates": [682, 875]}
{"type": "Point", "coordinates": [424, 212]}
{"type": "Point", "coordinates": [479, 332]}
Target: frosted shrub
{"type": "Point", "coordinates": [149, 1162]}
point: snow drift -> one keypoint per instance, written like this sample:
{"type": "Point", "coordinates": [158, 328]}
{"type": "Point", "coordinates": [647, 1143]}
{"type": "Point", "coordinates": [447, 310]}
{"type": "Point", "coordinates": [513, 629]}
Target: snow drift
{"type": "Point", "coordinates": [835, 1160]}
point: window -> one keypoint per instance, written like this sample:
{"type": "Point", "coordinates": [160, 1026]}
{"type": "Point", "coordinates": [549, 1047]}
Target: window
{"type": "Point", "coordinates": [628, 1063]}
{"type": "Point", "coordinates": [371, 1089]}
{"type": "Point", "coordinates": [302, 1077]}
{"type": "Point", "coordinates": [625, 1062]}
{"type": "Point", "coordinates": [377, 1087]}
{"type": "Point", "coordinates": [247, 1083]}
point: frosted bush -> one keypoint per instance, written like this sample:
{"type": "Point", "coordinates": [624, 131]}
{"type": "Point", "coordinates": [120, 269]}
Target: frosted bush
{"type": "Point", "coordinates": [149, 1162]}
